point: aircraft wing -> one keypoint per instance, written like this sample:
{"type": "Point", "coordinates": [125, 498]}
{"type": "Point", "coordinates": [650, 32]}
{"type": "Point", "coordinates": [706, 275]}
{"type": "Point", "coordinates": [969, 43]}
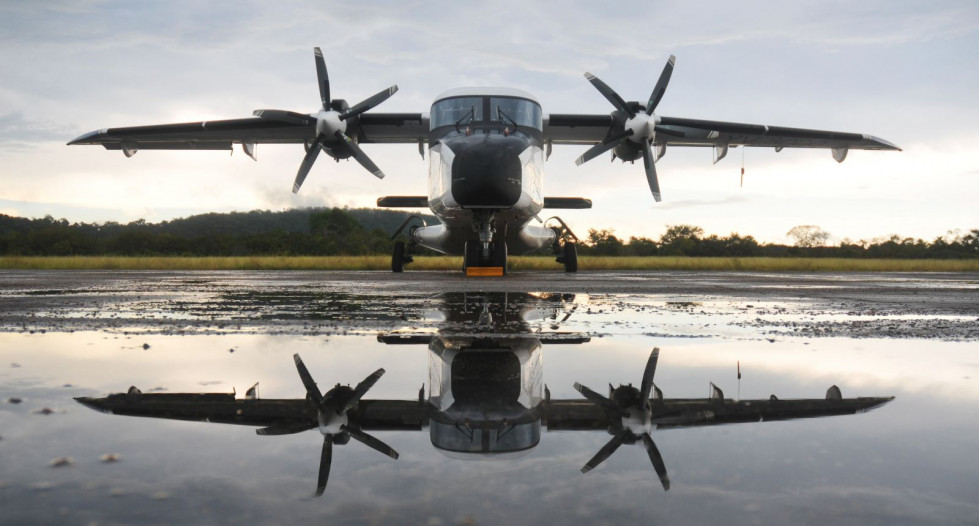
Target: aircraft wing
{"type": "Point", "coordinates": [223, 134]}
{"type": "Point", "coordinates": [676, 131]}
{"type": "Point", "coordinates": [573, 415]}
{"type": "Point", "coordinates": [220, 408]}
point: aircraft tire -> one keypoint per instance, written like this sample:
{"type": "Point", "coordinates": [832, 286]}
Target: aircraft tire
{"type": "Point", "coordinates": [398, 257]}
{"type": "Point", "coordinates": [570, 257]}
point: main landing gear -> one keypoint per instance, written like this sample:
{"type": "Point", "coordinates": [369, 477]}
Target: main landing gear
{"type": "Point", "coordinates": [565, 245]}
{"type": "Point", "coordinates": [402, 251]}
{"type": "Point", "coordinates": [400, 257]}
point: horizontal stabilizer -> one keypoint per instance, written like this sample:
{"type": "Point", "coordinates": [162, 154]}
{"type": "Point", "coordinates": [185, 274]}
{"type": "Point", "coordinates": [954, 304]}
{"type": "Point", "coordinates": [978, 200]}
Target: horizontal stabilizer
{"type": "Point", "coordinates": [567, 202]}
{"type": "Point", "coordinates": [403, 201]}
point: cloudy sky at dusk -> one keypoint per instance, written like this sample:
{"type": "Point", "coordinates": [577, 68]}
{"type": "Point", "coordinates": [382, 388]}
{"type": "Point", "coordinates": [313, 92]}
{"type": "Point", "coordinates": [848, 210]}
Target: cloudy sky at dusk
{"type": "Point", "coordinates": [903, 71]}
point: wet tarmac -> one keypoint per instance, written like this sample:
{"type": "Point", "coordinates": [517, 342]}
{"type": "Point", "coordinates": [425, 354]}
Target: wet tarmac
{"type": "Point", "coordinates": [860, 305]}
{"type": "Point", "coordinates": [479, 385]}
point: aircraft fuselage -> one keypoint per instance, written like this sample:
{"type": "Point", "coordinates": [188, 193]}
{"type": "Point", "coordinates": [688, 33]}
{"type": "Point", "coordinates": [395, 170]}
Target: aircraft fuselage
{"type": "Point", "coordinates": [485, 177]}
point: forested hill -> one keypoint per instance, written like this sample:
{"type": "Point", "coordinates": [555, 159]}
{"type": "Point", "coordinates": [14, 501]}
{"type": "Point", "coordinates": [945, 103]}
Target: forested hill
{"type": "Point", "coordinates": [313, 231]}
{"type": "Point", "coordinates": [264, 221]}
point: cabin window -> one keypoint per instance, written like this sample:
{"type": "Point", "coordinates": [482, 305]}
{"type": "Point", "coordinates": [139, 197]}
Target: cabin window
{"type": "Point", "coordinates": [461, 110]}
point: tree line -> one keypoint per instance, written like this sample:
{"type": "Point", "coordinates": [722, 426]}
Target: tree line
{"type": "Point", "coordinates": [688, 240]}
{"type": "Point", "coordinates": [365, 231]}
{"type": "Point", "coordinates": [298, 232]}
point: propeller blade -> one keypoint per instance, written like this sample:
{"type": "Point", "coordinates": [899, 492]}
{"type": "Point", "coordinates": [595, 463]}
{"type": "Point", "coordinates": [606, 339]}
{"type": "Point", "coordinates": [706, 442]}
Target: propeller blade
{"type": "Point", "coordinates": [286, 429]}
{"type": "Point", "coordinates": [647, 378]}
{"type": "Point", "coordinates": [603, 147]}
{"type": "Point", "coordinates": [326, 459]}
{"type": "Point", "coordinates": [600, 400]}
{"type": "Point", "coordinates": [289, 117]}
{"type": "Point", "coordinates": [660, 89]}
{"type": "Point", "coordinates": [610, 95]}
{"type": "Point", "coordinates": [370, 441]}
{"type": "Point", "coordinates": [657, 460]}
{"type": "Point", "coordinates": [604, 453]}
{"type": "Point", "coordinates": [362, 388]}
{"type": "Point", "coordinates": [360, 156]}
{"type": "Point", "coordinates": [647, 161]}
{"type": "Point", "coordinates": [311, 389]}
{"type": "Point", "coordinates": [369, 103]}
{"type": "Point", "coordinates": [323, 79]}
{"type": "Point", "coordinates": [307, 164]}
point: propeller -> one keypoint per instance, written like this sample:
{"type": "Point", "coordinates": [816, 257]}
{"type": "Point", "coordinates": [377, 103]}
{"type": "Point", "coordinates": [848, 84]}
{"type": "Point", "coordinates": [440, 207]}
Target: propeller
{"type": "Point", "coordinates": [331, 415]}
{"type": "Point", "coordinates": [630, 416]}
{"type": "Point", "coordinates": [638, 130]}
{"type": "Point", "coordinates": [331, 125]}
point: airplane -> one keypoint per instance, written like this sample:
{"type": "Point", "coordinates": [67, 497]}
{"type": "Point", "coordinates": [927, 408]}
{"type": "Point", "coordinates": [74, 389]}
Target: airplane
{"type": "Point", "coordinates": [486, 396]}
{"type": "Point", "coordinates": [487, 148]}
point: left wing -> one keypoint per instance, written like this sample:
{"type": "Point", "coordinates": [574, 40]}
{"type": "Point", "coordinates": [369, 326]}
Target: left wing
{"type": "Point", "coordinates": [223, 134]}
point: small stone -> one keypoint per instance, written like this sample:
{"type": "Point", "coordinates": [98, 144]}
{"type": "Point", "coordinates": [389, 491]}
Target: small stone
{"type": "Point", "coordinates": [14, 400]}
{"type": "Point", "coordinates": [109, 458]}
{"type": "Point", "coordinates": [61, 462]}
{"type": "Point", "coordinates": [44, 411]}
{"type": "Point", "coordinates": [146, 346]}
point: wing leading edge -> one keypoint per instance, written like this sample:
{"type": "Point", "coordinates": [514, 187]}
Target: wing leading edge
{"type": "Point", "coordinates": [677, 131]}
{"type": "Point", "coordinates": [223, 134]}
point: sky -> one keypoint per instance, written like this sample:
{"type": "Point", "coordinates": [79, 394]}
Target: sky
{"type": "Point", "coordinates": [902, 71]}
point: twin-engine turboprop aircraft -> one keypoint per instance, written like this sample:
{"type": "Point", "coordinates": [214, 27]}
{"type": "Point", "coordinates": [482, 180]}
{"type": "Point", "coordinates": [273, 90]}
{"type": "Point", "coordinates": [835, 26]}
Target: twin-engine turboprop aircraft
{"type": "Point", "coordinates": [487, 148]}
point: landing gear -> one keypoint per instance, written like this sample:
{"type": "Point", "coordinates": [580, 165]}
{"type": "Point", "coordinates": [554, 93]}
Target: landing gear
{"type": "Point", "coordinates": [565, 245]}
{"type": "Point", "coordinates": [400, 257]}
{"type": "Point", "coordinates": [570, 256]}
{"type": "Point", "coordinates": [485, 259]}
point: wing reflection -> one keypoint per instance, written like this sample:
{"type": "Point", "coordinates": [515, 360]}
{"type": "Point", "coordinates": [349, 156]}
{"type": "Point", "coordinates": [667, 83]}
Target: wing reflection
{"type": "Point", "coordinates": [486, 395]}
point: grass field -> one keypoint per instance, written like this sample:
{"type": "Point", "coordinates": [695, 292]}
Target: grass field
{"type": "Point", "coordinates": [585, 263]}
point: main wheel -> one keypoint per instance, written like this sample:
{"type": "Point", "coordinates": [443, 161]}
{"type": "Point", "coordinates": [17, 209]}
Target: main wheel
{"type": "Point", "coordinates": [570, 257]}
{"type": "Point", "coordinates": [398, 257]}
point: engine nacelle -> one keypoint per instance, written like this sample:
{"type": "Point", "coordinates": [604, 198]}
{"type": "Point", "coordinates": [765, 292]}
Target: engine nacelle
{"type": "Point", "coordinates": [628, 151]}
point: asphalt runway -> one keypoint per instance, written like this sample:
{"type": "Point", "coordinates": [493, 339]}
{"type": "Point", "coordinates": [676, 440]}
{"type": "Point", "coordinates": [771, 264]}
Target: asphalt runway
{"type": "Point", "coordinates": [901, 305]}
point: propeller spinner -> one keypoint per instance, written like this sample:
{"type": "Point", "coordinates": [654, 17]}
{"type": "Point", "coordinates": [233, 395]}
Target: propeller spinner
{"type": "Point", "coordinates": [331, 418]}
{"type": "Point", "coordinates": [331, 125]}
{"type": "Point", "coordinates": [639, 128]}
{"type": "Point", "coordinates": [630, 414]}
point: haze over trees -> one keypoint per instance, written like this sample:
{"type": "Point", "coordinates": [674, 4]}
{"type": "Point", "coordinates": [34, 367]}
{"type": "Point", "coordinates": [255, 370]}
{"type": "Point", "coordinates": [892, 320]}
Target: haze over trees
{"type": "Point", "coordinates": [336, 231]}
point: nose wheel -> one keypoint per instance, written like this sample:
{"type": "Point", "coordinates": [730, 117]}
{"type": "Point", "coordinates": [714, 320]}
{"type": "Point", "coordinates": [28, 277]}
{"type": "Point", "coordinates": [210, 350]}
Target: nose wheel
{"type": "Point", "coordinates": [478, 261]}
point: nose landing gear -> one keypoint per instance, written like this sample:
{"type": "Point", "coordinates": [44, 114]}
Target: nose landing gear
{"type": "Point", "coordinates": [478, 261]}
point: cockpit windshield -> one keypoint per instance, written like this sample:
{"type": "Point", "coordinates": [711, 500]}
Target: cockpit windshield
{"type": "Point", "coordinates": [449, 112]}
{"type": "Point", "coordinates": [509, 111]}
{"type": "Point", "coordinates": [520, 111]}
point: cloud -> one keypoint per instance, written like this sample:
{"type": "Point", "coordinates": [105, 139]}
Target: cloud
{"type": "Point", "coordinates": [18, 132]}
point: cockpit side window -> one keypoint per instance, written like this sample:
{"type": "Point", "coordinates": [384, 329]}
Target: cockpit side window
{"type": "Point", "coordinates": [462, 110]}
{"type": "Point", "coordinates": [521, 111]}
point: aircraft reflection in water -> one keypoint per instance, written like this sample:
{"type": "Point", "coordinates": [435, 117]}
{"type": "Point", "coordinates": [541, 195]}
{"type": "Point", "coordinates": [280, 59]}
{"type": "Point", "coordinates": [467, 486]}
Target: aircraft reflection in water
{"type": "Point", "coordinates": [487, 396]}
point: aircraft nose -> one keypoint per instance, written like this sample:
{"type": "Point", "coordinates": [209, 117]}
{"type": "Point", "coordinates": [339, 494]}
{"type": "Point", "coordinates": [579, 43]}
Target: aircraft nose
{"type": "Point", "coordinates": [487, 171]}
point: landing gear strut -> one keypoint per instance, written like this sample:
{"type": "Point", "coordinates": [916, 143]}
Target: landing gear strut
{"type": "Point", "coordinates": [565, 245]}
